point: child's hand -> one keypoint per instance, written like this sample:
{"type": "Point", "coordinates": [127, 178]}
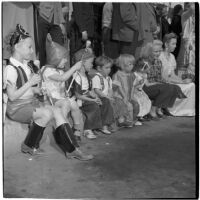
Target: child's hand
{"type": "Point", "coordinates": [92, 94]}
{"type": "Point", "coordinates": [98, 101]}
{"type": "Point", "coordinates": [62, 62]}
{"type": "Point", "coordinates": [78, 66]}
{"type": "Point", "coordinates": [35, 79]}
{"type": "Point", "coordinates": [187, 80]}
{"type": "Point", "coordinates": [37, 90]}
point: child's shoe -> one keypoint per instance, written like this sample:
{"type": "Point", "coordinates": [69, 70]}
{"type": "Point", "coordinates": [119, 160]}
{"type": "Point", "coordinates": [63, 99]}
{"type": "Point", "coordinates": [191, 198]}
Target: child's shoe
{"type": "Point", "coordinates": [105, 130]}
{"type": "Point", "coordinates": [78, 154]}
{"type": "Point", "coordinates": [138, 123]}
{"type": "Point", "coordinates": [89, 134]}
{"type": "Point", "coordinates": [113, 128]}
{"type": "Point", "coordinates": [125, 124]}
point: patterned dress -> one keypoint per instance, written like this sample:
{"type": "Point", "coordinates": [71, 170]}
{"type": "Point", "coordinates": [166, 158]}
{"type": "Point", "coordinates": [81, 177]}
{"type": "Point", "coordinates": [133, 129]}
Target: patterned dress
{"type": "Point", "coordinates": [125, 82]}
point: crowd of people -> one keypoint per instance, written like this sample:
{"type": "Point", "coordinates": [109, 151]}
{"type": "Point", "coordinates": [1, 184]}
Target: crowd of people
{"type": "Point", "coordinates": [124, 76]}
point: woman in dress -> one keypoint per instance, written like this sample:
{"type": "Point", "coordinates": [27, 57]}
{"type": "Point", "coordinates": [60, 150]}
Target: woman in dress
{"type": "Point", "coordinates": [182, 107]}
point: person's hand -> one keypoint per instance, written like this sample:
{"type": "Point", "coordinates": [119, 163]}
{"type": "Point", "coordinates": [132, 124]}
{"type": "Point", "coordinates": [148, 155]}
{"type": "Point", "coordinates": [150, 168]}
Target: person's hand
{"type": "Point", "coordinates": [37, 90]}
{"type": "Point", "coordinates": [62, 62]}
{"type": "Point", "coordinates": [35, 79]}
{"type": "Point", "coordinates": [63, 29]}
{"type": "Point", "coordinates": [110, 98]}
{"type": "Point", "coordinates": [93, 95]}
{"type": "Point", "coordinates": [78, 66]}
{"type": "Point", "coordinates": [187, 80]}
{"type": "Point", "coordinates": [84, 35]}
{"type": "Point", "coordinates": [98, 101]}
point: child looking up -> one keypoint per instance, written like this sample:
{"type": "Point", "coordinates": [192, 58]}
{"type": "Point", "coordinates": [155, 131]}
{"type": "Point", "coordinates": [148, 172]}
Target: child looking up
{"type": "Point", "coordinates": [124, 78]}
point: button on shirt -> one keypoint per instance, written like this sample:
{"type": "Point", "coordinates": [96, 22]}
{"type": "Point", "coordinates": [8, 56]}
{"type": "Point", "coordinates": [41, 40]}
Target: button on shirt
{"type": "Point", "coordinates": [11, 76]}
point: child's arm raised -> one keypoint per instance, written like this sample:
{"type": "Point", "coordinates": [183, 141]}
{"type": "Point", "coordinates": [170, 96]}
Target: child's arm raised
{"type": "Point", "coordinates": [66, 75]}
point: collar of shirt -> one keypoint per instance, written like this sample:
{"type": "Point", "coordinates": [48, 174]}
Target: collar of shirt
{"type": "Point", "coordinates": [17, 63]}
{"type": "Point", "coordinates": [107, 77]}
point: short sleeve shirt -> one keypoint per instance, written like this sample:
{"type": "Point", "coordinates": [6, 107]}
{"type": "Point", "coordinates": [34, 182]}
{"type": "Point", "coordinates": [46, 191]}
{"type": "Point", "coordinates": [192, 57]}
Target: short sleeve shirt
{"type": "Point", "coordinates": [106, 86]}
{"type": "Point", "coordinates": [10, 76]}
{"type": "Point", "coordinates": [56, 88]}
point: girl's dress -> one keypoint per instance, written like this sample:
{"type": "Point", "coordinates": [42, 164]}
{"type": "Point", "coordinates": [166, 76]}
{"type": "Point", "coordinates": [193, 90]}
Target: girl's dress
{"type": "Point", "coordinates": [181, 107]}
{"type": "Point", "coordinates": [125, 82]}
{"type": "Point", "coordinates": [139, 94]}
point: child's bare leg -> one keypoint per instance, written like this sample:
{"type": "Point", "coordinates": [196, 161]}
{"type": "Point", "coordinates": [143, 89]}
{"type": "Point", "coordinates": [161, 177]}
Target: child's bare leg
{"type": "Point", "coordinates": [64, 105]}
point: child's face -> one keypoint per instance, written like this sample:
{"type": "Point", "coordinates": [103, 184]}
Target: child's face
{"type": "Point", "coordinates": [25, 48]}
{"type": "Point", "coordinates": [128, 67]}
{"type": "Point", "coordinates": [62, 63]}
{"type": "Point", "coordinates": [156, 51]}
{"type": "Point", "coordinates": [171, 45]}
{"type": "Point", "coordinates": [88, 64]}
{"type": "Point", "coordinates": [105, 70]}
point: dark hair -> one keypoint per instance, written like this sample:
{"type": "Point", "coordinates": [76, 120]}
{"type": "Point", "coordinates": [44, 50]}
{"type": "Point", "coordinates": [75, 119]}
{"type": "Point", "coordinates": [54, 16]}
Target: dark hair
{"type": "Point", "coordinates": [177, 9]}
{"type": "Point", "coordinates": [102, 60]}
{"type": "Point", "coordinates": [83, 54]}
{"type": "Point", "coordinates": [14, 37]}
{"type": "Point", "coordinates": [168, 37]}
{"type": "Point", "coordinates": [140, 65]}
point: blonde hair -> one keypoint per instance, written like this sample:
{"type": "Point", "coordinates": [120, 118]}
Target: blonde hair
{"type": "Point", "coordinates": [124, 59]}
{"type": "Point", "coordinates": [146, 51]}
{"type": "Point", "coordinates": [157, 43]}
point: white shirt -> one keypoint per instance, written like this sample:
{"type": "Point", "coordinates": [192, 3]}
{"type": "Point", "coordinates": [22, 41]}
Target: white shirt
{"type": "Point", "coordinates": [56, 88]}
{"type": "Point", "coordinates": [96, 83]}
{"type": "Point", "coordinates": [10, 75]}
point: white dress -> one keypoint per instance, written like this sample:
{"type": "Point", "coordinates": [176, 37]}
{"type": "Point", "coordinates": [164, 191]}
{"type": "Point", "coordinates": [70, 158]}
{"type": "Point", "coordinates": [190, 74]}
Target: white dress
{"type": "Point", "coordinates": [140, 96]}
{"type": "Point", "coordinates": [181, 107]}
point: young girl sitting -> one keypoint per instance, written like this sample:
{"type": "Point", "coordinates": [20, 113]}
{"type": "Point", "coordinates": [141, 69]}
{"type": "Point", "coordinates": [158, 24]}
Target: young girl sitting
{"type": "Point", "coordinates": [21, 86]}
{"type": "Point", "coordinates": [140, 72]}
{"type": "Point", "coordinates": [88, 101]}
{"type": "Point", "coordinates": [124, 79]}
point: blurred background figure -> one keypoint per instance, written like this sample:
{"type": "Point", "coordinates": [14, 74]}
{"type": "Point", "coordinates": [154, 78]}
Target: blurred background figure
{"type": "Point", "coordinates": [176, 26]}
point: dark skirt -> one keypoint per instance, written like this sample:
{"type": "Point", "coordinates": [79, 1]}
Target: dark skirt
{"type": "Point", "coordinates": [92, 115]}
{"type": "Point", "coordinates": [21, 110]}
{"type": "Point", "coordinates": [162, 95]}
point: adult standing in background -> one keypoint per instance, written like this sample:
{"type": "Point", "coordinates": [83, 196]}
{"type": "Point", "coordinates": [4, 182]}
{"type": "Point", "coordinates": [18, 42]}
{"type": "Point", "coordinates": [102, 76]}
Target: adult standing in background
{"type": "Point", "coordinates": [176, 26]}
{"type": "Point", "coordinates": [50, 20]}
{"type": "Point", "coordinates": [81, 26]}
{"type": "Point", "coordinates": [164, 22]}
{"type": "Point", "coordinates": [186, 57]}
{"type": "Point", "coordinates": [147, 26]}
{"type": "Point", "coordinates": [124, 27]}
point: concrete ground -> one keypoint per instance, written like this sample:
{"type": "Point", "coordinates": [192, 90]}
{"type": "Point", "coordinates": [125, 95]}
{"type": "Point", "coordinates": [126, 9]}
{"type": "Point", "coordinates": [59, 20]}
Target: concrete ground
{"type": "Point", "coordinates": [156, 160]}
